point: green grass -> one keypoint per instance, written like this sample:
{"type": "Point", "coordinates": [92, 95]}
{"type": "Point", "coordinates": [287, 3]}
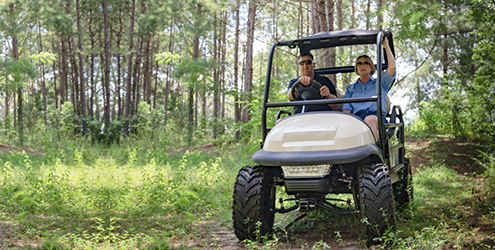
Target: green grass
{"type": "Point", "coordinates": [91, 197]}
{"type": "Point", "coordinates": [140, 195]}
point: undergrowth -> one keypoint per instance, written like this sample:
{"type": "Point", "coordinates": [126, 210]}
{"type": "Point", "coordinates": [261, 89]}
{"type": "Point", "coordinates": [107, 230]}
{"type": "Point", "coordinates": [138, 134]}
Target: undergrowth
{"type": "Point", "coordinates": [136, 195]}
{"type": "Point", "coordinates": [153, 193]}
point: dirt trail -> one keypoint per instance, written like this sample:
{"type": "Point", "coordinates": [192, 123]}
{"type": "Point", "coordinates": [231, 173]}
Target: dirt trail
{"type": "Point", "coordinates": [333, 232]}
{"type": "Point", "coordinates": [322, 235]}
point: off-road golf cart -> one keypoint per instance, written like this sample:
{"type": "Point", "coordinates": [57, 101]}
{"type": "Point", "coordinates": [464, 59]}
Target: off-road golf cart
{"type": "Point", "coordinates": [314, 155]}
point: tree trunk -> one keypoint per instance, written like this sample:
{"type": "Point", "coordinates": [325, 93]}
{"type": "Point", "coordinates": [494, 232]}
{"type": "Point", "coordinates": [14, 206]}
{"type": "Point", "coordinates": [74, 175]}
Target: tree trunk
{"type": "Point", "coordinates": [248, 84]}
{"type": "Point", "coordinates": [156, 73]}
{"type": "Point", "coordinates": [55, 76]}
{"type": "Point", "coordinates": [190, 101]}
{"type": "Point", "coordinates": [167, 85]}
{"type": "Point", "coordinates": [147, 71]}
{"type": "Point", "coordinates": [216, 81]}
{"type": "Point", "coordinates": [445, 61]}
{"type": "Point", "coordinates": [82, 101]}
{"type": "Point", "coordinates": [368, 7]}
{"type": "Point", "coordinates": [106, 115]}
{"type": "Point", "coordinates": [237, 110]}
{"type": "Point", "coordinates": [63, 72]}
{"type": "Point", "coordinates": [323, 58]}
{"type": "Point", "coordinates": [224, 51]}
{"type": "Point", "coordinates": [75, 75]}
{"type": "Point", "coordinates": [347, 77]}
{"type": "Point", "coordinates": [331, 27]}
{"type": "Point", "coordinates": [300, 20]}
{"type": "Point", "coordinates": [128, 103]}
{"type": "Point", "coordinates": [315, 17]}
{"type": "Point", "coordinates": [379, 6]}
{"type": "Point", "coordinates": [92, 69]}
{"type": "Point", "coordinates": [137, 75]}
{"type": "Point", "coordinates": [43, 90]}
{"type": "Point", "coordinates": [119, 69]}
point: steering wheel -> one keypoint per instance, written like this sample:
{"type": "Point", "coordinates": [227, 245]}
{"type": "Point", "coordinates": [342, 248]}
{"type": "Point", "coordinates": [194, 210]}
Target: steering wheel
{"type": "Point", "coordinates": [310, 92]}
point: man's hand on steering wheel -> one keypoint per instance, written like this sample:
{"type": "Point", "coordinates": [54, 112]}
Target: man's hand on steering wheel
{"type": "Point", "coordinates": [324, 91]}
{"type": "Point", "coordinates": [307, 89]}
{"type": "Point", "coordinates": [305, 80]}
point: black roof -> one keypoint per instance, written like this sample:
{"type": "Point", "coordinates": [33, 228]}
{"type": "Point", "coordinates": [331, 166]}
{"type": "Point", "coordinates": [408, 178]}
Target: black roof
{"type": "Point", "coordinates": [337, 38]}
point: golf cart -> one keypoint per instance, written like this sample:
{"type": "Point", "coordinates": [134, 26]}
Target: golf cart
{"type": "Point", "coordinates": [314, 155]}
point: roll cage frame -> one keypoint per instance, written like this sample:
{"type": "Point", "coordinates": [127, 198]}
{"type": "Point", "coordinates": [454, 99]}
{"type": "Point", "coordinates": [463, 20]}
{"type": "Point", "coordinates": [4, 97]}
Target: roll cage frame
{"type": "Point", "coordinates": [329, 40]}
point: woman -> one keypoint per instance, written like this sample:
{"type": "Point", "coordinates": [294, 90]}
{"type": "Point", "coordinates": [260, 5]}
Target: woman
{"type": "Point", "coordinates": [365, 86]}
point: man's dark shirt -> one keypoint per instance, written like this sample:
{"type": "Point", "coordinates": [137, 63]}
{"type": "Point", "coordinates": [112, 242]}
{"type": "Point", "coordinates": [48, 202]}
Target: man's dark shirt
{"type": "Point", "coordinates": [319, 107]}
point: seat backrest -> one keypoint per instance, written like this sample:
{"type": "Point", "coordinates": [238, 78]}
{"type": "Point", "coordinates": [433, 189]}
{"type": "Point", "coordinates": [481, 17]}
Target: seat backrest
{"type": "Point", "coordinates": [389, 106]}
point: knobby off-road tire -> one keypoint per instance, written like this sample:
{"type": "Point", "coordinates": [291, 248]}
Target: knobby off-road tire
{"type": "Point", "coordinates": [376, 201]}
{"type": "Point", "coordinates": [254, 201]}
{"type": "Point", "coordinates": [403, 189]}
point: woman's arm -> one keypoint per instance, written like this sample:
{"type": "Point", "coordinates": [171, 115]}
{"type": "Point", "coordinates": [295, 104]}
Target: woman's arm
{"type": "Point", "coordinates": [390, 57]}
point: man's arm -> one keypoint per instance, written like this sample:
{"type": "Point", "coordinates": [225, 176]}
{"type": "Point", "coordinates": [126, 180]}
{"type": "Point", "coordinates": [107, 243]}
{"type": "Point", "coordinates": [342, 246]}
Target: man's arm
{"type": "Point", "coordinates": [325, 92]}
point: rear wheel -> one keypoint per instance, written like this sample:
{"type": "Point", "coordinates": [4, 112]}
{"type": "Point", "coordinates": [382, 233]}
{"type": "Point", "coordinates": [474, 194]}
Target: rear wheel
{"type": "Point", "coordinates": [376, 201]}
{"type": "Point", "coordinates": [403, 189]}
{"type": "Point", "coordinates": [254, 202]}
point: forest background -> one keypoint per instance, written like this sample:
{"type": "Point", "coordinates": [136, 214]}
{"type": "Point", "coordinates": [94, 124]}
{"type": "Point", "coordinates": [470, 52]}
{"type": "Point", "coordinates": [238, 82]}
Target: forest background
{"type": "Point", "coordinates": [81, 80]}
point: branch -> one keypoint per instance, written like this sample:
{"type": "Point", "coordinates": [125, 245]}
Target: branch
{"type": "Point", "coordinates": [414, 70]}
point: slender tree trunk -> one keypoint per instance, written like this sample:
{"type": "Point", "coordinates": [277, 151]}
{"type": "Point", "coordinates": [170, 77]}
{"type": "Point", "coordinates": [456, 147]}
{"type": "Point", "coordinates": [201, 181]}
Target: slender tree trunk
{"type": "Point", "coordinates": [368, 7]}
{"type": "Point", "coordinates": [190, 101]}
{"type": "Point", "coordinates": [119, 69]}
{"type": "Point", "coordinates": [106, 115]}
{"type": "Point", "coordinates": [253, 4]}
{"type": "Point", "coordinates": [147, 71]}
{"type": "Point", "coordinates": [331, 27]}
{"type": "Point", "coordinates": [322, 13]}
{"type": "Point", "coordinates": [82, 101]}
{"type": "Point", "coordinates": [167, 85]}
{"type": "Point", "coordinates": [63, 72]}
{"type": "Point", "coordinates": [43, 90]}
{"type": "Point", "coordinates": [323, 59]}
{"type": "Point", "coordinates": [224, 51]}
{"type": "Point", "coordinates": [215, 76]}
{"type": "Point", "coordinates": [379, 6]}
{"type": "Point", "coordinates": [137, 75]}
{"type": "Point", "coordinates": [300, 20]}
{"type": "Point", "coordinates": [347, 78]}
{"type": "Point", "coordinates": [93, 87]}
{"type": "Point", "coordinates": [331, 14]}
{"type": "Point", "coordinates": [92, 69]}
{"type": "Point", "coordinates": [237, 110]}
{"type": "Point", "coordinates": [445, 61]}
{"type": "Point", "coordinates": [75, 75]}
{"type": "Point", "coordinates": [315, 17]}
{"type": "Point", "coordinates": [55, 70]}
{"type": "Point", "coordinates": [128, 103]}
{"type": "Point", "coordinates": [7, 100]}
{"type": "Point", "coordinates": [156, 73]}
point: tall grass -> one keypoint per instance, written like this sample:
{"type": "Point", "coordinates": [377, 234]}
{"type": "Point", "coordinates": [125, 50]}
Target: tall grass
{"type": "Point", "coordinates": [135, 195]}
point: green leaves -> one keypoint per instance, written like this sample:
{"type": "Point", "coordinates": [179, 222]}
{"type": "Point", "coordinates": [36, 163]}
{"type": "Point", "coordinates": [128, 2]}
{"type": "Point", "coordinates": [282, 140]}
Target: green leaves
{"type": "Point", "coordinates": [17, 72]}
{"type": "Point", "coordinates": [167, 57]}
{"type": "Point", "coordinates": [44, 57]}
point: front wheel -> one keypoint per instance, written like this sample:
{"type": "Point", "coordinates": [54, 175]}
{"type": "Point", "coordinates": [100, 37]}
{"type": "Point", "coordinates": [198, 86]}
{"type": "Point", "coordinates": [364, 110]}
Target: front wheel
{"type": "Point", "coordinates": [376, 201]}
{"type": "Point", "coordinates": [254, 202]}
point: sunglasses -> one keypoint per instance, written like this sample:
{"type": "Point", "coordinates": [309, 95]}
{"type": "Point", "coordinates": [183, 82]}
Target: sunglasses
{"type": "Point", "coordinates": [361, 63]}
{"type": "Point", "coordinates": [308, 62]}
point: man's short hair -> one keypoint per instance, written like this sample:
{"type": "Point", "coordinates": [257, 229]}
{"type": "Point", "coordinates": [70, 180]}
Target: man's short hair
{"type": "Point", "coordinates": [306, 54]}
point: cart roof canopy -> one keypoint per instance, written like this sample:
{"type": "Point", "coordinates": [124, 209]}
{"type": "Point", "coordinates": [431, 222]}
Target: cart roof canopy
{"type": "Point", "coordinates": [337, 38]}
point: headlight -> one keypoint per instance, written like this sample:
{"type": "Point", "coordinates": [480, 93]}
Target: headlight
{"type": "Point", "coordinates": [307, 171]}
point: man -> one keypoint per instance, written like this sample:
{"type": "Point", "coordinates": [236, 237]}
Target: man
{"type": "Point", "coordinates": [327, 91]}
